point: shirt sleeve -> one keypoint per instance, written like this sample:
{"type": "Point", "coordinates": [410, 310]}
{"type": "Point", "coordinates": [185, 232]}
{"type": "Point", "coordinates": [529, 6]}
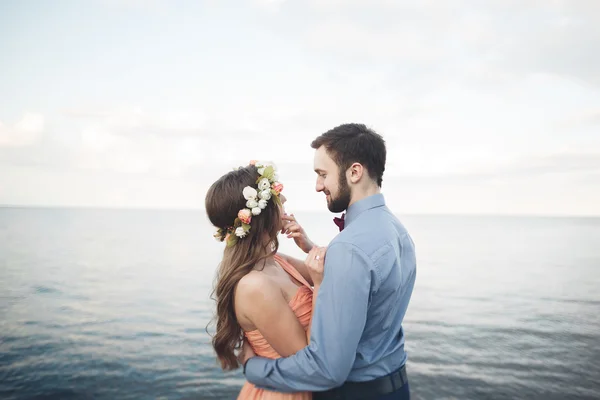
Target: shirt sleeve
{"type": "Point", "coordinates": [337, 326]}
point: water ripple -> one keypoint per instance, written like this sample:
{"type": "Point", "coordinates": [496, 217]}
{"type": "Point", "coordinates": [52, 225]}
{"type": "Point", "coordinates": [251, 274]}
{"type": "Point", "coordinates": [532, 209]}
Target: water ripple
{"type": "Point", "coordinates": [105, 305]}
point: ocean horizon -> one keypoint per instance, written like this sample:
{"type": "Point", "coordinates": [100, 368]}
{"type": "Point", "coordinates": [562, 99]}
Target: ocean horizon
{"type": "Point", "coordinates": [99, 303]}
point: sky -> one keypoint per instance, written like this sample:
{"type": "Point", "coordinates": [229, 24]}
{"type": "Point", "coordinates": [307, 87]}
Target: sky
{"type": "Point", "coordinates": [486, 107]}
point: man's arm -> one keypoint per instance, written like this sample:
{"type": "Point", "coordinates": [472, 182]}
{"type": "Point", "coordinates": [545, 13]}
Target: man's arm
{"type": "Point", "coordinates": [337, 326]}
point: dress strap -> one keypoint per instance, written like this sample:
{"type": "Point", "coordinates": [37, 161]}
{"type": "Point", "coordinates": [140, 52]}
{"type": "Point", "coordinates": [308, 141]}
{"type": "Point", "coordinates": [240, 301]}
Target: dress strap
{"type": "Point", "coordinates": [289, 268]}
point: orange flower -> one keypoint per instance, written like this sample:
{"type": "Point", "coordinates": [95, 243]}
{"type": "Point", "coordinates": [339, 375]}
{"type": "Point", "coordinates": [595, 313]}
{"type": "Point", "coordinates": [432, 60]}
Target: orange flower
{"type": "Point", "coordinates": [245, 216]}
{"type": "Point", "coordinates": [277, 187]}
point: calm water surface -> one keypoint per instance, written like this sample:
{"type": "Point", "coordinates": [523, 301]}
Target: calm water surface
{"type": "Point", "coordinates": [113, 304]}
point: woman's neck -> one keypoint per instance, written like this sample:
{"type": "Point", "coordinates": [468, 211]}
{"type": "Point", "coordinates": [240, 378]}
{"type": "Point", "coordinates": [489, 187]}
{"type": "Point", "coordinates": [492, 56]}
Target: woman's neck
{"type": "Point", "coordinates": [267, 262]}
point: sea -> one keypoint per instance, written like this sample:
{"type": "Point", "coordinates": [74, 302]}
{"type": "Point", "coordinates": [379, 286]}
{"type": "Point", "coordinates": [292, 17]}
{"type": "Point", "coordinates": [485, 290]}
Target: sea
{"type": "Point", "coordinates": [116, 304]}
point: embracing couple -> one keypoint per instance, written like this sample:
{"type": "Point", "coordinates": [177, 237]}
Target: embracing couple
{"type": "Point", "coordinates": [328, 327]}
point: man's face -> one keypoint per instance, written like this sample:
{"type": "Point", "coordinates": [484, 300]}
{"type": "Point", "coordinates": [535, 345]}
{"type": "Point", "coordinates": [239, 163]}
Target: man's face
{"type": "Point", "coordinates": [331, 181]}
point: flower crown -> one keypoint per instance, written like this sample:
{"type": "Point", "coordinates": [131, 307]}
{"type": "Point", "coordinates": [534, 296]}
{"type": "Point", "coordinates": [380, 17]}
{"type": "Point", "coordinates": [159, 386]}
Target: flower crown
{"type": "Point", "coordinates": [257, 198]}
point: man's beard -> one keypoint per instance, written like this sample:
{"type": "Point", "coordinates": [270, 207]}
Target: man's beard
{"type": "Point", "coordinates": [342, 200]}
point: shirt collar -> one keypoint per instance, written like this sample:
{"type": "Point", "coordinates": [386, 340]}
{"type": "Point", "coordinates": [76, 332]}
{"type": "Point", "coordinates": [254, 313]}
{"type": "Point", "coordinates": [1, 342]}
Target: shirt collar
{"type": "Point", "coordinates": [375, 200]}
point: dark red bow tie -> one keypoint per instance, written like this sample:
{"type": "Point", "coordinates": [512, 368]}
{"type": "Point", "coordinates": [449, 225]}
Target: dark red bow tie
{"type": "Point", "coordinates": [340, 221]}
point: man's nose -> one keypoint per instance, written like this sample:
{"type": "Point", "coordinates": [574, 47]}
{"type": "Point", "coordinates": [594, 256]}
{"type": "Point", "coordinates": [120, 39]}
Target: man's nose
{"type": "Point", "coordinates": [319, 187]}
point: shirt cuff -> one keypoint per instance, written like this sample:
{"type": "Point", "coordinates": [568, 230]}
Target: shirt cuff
{"type": "Point", "coordinates": [256, 370]}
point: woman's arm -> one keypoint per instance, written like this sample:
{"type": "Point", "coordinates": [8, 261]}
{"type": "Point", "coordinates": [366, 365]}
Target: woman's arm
{"type": "Point", "coordinates": [292, 229]}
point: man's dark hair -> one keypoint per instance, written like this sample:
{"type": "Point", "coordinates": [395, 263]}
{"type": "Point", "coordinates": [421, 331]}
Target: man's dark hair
{"type": "Point", "coordinates": [350, 143]}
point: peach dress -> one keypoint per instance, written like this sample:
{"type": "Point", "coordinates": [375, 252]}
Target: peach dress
{"type": "Point", "coordinates": [301, 304]}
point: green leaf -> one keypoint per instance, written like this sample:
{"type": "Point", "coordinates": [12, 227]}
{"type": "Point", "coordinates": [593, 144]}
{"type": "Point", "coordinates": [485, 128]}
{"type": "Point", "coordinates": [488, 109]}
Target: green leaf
{"type": "Point", "coordinates": [232, 240]}
{"type": "Point", "coordinates": [246, 227]}
{"type": "Point", "coordinates": [269, 173]}
{"type": "Point", "coordinates": [277, 200]}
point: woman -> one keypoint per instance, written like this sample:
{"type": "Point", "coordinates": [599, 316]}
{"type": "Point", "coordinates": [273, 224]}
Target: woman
{"type": "Point", "coordinates": [263, 296]}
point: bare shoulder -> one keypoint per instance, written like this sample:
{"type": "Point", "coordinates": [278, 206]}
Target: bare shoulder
{"type": "Point", "coordinates": [256, 288]}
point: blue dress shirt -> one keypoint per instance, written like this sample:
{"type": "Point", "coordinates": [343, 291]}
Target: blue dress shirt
{"type": "Point", "coordinates": [356, 333]}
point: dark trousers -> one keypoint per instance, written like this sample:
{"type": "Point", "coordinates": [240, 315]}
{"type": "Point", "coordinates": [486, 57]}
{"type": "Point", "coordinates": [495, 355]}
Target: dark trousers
{"type": "Point", "coordinates": [401, 394]}
{"type": "Point", "coordinates": [390, 387]}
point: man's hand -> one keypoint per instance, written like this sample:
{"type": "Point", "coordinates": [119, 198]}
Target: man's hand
{"type": "Point", "coordinates": [245, 353]}
{"type": "Point", "coordinates": [293, 229]}
{"type": "Point", "coordinates": [315, 263]}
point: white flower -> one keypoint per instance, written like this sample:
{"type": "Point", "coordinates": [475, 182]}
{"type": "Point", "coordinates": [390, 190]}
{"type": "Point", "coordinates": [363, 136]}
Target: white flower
{"type": "Point", "coordinates": [265, 194]}
{"type": "Point", "coordinates": [275, 177]}
{"type": "Point", "coordinates": [261, 170]}
{"type": "Point", "coordinates": [252, 203]}
{"type": "Point", "coordinates": [258, 164]}
{"type": "Point", "coordinates": [240, 232]}
{"type": "Point", "coordinates": [264, 184]}
{"type": "Point", "coordinates": [249, 193]}
{"type": "Point", "coordinates": [262, 204]}
{"type": "Point", "coordinates": [256, 210]}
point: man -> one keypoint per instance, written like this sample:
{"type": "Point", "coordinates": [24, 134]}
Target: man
{"type": "Point", "coordinates": [356, 348]}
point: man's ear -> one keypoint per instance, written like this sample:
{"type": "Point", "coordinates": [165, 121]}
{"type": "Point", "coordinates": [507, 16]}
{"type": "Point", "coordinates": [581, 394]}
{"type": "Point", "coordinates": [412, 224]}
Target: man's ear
{"type": "Point", "coordinates": [355, 172]}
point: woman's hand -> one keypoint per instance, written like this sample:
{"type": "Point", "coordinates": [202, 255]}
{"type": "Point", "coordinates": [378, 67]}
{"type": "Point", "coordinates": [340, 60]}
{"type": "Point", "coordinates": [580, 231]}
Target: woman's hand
{"type": "Point", "coordinates": [245, 353]}
{"type": "Point", "coordinates": [315, 263]}
{"type": "Point", "coordinates": [293, 229]}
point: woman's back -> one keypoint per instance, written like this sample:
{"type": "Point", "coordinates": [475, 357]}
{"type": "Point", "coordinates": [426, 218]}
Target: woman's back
{"type": "Point", "coordinates": [301, 305]}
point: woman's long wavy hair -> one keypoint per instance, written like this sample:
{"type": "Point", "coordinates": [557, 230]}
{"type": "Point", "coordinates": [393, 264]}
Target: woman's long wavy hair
{"type": "Point", "coordinates": [223, 201]}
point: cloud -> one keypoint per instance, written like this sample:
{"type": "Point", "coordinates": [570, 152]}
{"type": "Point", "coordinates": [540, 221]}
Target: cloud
{"type": "Point", "coordinates": [25, 132]}
{"type": "Point", "coordinates": [135, 120]}
{"type": "Point", "coordinates": [270, 5]}
{"type": "Point", "coordinates": [185, 143]}
{"type": "Point", "coordinates": [163, 143]}
{"type": "Point", "coordinates": [462, 91]}
{"type": "Point", "coordinates": [571, 165]}
{"type": "Point", "coordinates": [552, 184]}
{"type": "Point", "coordinates": [560, 42]}
{"type": "Point", "coordinates": [562, 163]}
{"type": "Point", "coordinates": [137, 5]}
{"type": "Point", "coordinates": [474, 42]}
{"type": "Point", "coordinates": [585, 118]}
{"type": "Point", "coordinates": [131, 141]}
